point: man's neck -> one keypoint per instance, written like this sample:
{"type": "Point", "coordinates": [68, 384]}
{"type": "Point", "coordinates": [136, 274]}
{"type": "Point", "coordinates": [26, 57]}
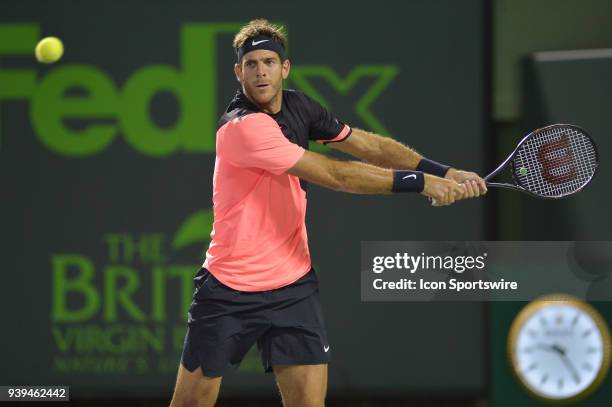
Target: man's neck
{"type": "Point", "coordinates": [273, 107]}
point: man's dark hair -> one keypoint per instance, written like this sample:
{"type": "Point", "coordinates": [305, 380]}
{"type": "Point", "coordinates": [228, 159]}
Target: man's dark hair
{"type": "Point", "coordinates": [260, 27]}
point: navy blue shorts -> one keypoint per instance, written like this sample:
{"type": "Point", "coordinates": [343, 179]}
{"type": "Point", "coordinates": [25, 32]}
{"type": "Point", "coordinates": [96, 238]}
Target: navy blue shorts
{"type": "Point", "coordinates": [223, 324]}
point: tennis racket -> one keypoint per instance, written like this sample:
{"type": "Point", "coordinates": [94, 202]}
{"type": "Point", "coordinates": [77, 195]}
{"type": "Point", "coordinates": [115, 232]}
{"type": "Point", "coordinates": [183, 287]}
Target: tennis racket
{"type": "Point", "coordinates": [552, 162]}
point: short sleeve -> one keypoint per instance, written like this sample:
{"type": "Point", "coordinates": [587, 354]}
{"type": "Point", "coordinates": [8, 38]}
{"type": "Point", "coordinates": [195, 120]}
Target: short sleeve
{"type": "Point", "coordinates": [324, 127]}
{"type": "Point", "coordinates": [256, 141]}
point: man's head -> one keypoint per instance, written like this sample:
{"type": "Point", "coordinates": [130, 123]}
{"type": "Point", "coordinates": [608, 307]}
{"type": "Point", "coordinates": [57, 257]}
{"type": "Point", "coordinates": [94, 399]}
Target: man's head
{"type": "Point", "coordinates": [262, 66]}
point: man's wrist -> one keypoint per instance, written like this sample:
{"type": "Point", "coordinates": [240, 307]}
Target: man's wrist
{"type": "Point", "coordinates": [408, 181]}
{"type": "Point", "coordinates": [432, 167]}
{"type": "Point", "coordinates": [450, 173]}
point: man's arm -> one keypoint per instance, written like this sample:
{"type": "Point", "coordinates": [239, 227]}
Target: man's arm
{"type": "Point", "coordinates": [381, 151]}
{"type": "Point", "coordinates": [361, 178]}
{"type": "Point", "coordinates": [386, 152]}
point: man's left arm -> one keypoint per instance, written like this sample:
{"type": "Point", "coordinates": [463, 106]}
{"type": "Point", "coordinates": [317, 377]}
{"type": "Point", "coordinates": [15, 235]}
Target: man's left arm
{"type": "Point", "coordinates": [389, 153]}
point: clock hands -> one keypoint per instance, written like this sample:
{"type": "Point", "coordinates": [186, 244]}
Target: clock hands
{"type": "Point", "coordinates": [563, 355]}
{"type": "Point", "coordinates": [567, 362]}
{"type": "Point", "coordinates": [550, 348]}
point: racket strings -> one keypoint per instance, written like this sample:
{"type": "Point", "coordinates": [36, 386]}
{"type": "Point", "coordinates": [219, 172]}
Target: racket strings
{"type": "Point", "coordinates": [555, 162]}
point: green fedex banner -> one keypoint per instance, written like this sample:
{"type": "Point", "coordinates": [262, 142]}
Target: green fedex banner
{"type": "Point", "coordinates": [101, 250]}
{"type": "Point", "coordinates": [126, 110]}
{"type": "Point", "coordinates": [121, 315]}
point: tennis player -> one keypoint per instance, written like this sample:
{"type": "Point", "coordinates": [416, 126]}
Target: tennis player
{"type": "Point", "coordinates": [257, 285]}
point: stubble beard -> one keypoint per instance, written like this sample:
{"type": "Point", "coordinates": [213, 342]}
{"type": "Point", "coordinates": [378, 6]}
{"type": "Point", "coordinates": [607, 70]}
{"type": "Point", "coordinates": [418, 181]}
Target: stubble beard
{"type": "Point", "coordinates": [266, 101]}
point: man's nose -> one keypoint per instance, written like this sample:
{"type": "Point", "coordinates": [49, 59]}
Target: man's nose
{"type": "Point", "coordinates": [260, 70]}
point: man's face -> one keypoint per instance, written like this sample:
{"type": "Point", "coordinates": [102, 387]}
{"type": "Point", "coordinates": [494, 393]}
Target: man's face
{"type": "Point", "coordinates": [261, 74]}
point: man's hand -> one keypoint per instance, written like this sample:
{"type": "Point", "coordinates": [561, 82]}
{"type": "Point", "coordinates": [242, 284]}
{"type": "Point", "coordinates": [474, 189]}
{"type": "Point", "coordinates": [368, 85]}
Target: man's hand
{"type": "Point", "coordinates": [442, 191]}
{"type": "Point", "coordinates": [474, 185]}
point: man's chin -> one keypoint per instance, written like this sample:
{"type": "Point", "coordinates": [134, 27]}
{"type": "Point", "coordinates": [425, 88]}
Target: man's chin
{"type": "Point", "coordinates": [262, 100]}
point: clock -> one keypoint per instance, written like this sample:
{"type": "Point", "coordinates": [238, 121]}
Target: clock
{"type": "Point", "coordinates": [559, 348]}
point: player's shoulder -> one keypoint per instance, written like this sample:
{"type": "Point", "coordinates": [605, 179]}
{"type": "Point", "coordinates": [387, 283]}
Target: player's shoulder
{"type": "Point", "coordinates": [247, 128]}
{"type": "Point", "coordinates": [239, 108]}
{"type": "Point", "coordinates": [232, 115]}
{"type": "Point", "coordinates": [248, 121]}
{"type": "Point", "coordinates": [296, 96]}
{"type": "Point", "coordinates": [298, 100]}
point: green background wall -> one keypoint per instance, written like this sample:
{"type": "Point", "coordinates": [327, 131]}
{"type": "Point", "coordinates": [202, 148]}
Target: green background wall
{"type": "Point", "coordinates": [108, 200]}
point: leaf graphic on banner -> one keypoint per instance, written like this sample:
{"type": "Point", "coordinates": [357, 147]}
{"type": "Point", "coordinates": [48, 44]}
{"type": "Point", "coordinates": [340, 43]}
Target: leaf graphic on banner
{"type": "Point", "coordinates": [196, 229]}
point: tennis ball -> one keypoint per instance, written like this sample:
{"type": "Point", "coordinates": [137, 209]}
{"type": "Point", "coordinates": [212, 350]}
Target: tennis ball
{"type": "Point", "coordinates": [523, 171]}
{"type": "Point", "coordinates": [49, 50]}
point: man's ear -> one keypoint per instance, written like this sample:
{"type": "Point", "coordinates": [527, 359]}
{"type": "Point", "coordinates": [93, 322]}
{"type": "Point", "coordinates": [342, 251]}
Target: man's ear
{"type": "Point", "coordinates": [286, 68]}
{"type": "Point", "coordinates": [238, 72]}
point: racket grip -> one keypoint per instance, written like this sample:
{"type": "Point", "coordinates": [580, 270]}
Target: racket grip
{"type": "Point", "coordinates": [432, 201]}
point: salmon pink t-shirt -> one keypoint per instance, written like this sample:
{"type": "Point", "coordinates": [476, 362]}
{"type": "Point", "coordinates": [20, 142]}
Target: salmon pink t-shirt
{"type": "Point", "coordinates": [259, 239]}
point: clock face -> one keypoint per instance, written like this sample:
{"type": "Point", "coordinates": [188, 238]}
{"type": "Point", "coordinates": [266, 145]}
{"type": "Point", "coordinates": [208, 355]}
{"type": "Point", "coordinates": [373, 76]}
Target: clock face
{"type": "Point", "coordinates": [559, 351]}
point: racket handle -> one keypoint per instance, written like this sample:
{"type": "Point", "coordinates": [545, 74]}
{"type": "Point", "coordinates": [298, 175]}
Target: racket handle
{"type": "Point", "coordinates": [432, 201]}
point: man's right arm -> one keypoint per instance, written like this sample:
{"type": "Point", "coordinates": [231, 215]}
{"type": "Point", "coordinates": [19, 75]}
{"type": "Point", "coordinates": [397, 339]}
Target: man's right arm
{"type": "Point", "coordinates": [361, 178]}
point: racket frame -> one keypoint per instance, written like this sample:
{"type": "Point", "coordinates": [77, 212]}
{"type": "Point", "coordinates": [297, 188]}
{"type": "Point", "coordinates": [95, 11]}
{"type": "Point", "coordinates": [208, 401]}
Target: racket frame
{"type": "Point", "coordinates": [515, 187]}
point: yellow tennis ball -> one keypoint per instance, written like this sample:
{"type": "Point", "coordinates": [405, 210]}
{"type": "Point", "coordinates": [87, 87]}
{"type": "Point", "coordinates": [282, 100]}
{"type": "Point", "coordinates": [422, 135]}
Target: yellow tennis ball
{"type": "Point", "coordinates": [49, 50]}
